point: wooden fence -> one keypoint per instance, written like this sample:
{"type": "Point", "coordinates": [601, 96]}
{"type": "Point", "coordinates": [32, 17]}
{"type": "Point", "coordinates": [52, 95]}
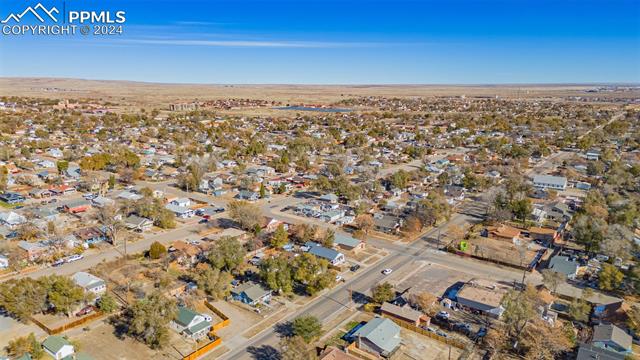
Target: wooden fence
{"type": "Point", "coordinates": [204, 349]}
{"type": "Point", "coordinates": [225, 319]}
{"type": "Point", "coordinates": [421, 331]}
{"type": "Point", "coordinates": [67, 326]}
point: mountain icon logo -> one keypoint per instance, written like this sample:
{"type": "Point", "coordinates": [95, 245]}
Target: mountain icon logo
{"type": "Point", "coordinates": [36, 11]}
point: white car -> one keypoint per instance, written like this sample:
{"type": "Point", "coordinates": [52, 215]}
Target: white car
{"type": "Point", "coordinates": [443, 315]}
{"type": "Point", "coordinates": [387, 271]}
{"type": "Point", "coordinates": [73, 258]}
{"type": "Point", "coordinates": [339, 278]}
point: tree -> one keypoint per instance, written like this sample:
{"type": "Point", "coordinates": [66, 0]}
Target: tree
{"type": "Point", "coordinates": [277, 273]}
{"type": "Point", "coordinates": [424, 301]}
{"type": "Point", "coordinates": [214, 282]}
{"type": "Point", "coordinates": [365, 222]}
{"type": "Point", "coordinates": [329, 238]}
{"type": "Point", "coordinates": [25, 345]}
{"type": "Point", "coordinates": [107, 304]}
{"type": "Point", "coordinates": [589, 231]}
{"type": "Point", "coordinates": [248, 215]}
{"type": "Point", "coordinates": [23, 297]}
{"type": "Point", "coordinates": [610, 278]}
{"type": "Point", "coordinates": [383, 293]}
{"type": "Point", "coordinates": [633, 318]}
{"type": "Point", "coordinates": [280, 237]}
{"type": "Point", "coordinates": [263, 191]}
{"type": "Point", "coordinates": [62, 293]}
{"type": "Point", "coordinates": [618, 242]}
{"type": "Point", "coordinates": [108, 217]}
{"type": "Point", "coordinates": [149, 319]}
{"type": "Point", "coordinates": [295, 348]}
{"type": "Point", "coordinates": [579, 310]}
{"type": "Point", "coordinates": [544, 342]}
{"type": "Point", "coordinates": [62, 166]}
{"type": "Point", "coordinates": [552, 279]}
{"type": "Point", "coordinates": [157, 250]}
{"type": "Point", "coordinates": [227, 254]}
{"type": "Point", "coordinates": [519, 309]}
{"type": "Point", "coordinates": [522, 209]}
{"type": "Point", "coordinates": [307, 327]}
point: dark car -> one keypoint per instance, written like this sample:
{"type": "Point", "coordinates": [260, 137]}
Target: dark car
{"type": "Point", "coordinates": [202, 221]}
{"type": "Point", "coordinates": [355, 268]}
{"type": "Point", "coordinates": [462, 327]}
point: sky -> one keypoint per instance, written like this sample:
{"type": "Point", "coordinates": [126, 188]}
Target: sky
{"type": "Point", "coordinates": [339, 42]}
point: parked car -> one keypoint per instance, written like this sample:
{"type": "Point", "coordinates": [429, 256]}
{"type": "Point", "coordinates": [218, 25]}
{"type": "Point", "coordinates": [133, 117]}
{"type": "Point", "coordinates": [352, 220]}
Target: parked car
{"type": "Point", "coordinates": [58, 263]}
{"type": "Point", "coordinates": [339, 278]}
{"type": "Point", "coordinates": [203, 221]}
{"type": "Point", "coordinates": [73, 258]}
{"type": "Point", "coordinates": [442, 333]}
{"type": "Point", "coordinates": [443, 315]}
{"type": "Point", "coordinates": [355, 268]}
{"type": "Point", "coordinates": [387, 271]}
{"type": "Point", "coordinates": [462, 327]}
{"type": "Point", "coordinates": [85, 310]}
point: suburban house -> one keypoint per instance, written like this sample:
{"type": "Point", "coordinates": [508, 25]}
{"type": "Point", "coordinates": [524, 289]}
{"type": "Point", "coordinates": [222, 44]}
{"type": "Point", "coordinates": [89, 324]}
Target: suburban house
{"type": "Point", "coordinates": [77, 206]}
{"type": "Point", "coordinates": [184, 202]}
{"type": "Point", "coordinates": [32, 251]}
{"type": "Point", "coordinates": [387, 224]}
{"type": "Point", "coordinates": [591, 352]}
{"type": "Point", "coordinates": [404, 313]}
{"type": "Point", "coordinates": [612, 338]}
{"type": "Point", "coordinates": [565, 266]}
{"type": "Point", "coordinates": [483, 296]}
{"type": "Point", "coordinates": [502, 232]}
{"type": "Point", "coordinates": [138, 223]}
{"type": "Point", "coordinates": [329, 198]}
{"type": "Point", "coordinates": [91, 235]}
{"type": "Point", "coordinates": [550, 182]}
{"type": "Point", "coordinates": [543, 234]}
{"type": "Point", "coordinates": [334, 257]}
{"type": "Point", "coordinates": [379, 336]}
{"type": "Point", "coordinates": [58, 347]}
{"type": "Point", "coordinates": [190, 324]}
{"type": "Point", "coordinates": [333, 353]}
{"type": "Point", "coordinates": [248, 195]}
{"type": "Point", "coordinates": [128, 195]}
{"type": "Point", "coordinates": [12, 219]}
{"type": "Point", "coordinates": [348, 243]}
{"type": "Point", "coordinates": [251, 293]}
{"type": "Point", "coordinates": [12, 198]}
{"type": "Point", "coordinates": [180, 211]}
{"type": "Point", "coordinates": [90, 283]}
{"type": "Point", "coordinates": [270, 224]}
{"type": "Point", "coordinates": [101, 201]}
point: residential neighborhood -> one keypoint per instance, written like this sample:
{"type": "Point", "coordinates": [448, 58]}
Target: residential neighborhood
{"type": "Point", "coordinates": [465, 227]}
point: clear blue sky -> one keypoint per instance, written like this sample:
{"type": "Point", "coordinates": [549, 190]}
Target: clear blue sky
{"type": "Point", "coordinates": [343, 42]}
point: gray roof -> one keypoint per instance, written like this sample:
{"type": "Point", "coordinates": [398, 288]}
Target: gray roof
{"type": "Point", "coordinates": [563, 265]}
{"type": "Point", "coordinates": [549, 179]}
{"type": "Point", "coordinates": [384, 333]}
{"type": "Point", "coordinates": [324, 252]}
{"type": "Point", "coordinates": [404, 312]}
{"type": "Point", "coordinates": [346, 240]}
{"type": "Point", "coordinates": [87, 281]}
{"type": "Point", "coordinates": [613, 334]}
{"type": "Point", "coordinates": [588, 352]}
{"type": "Point", "coordinates": [252, 290]}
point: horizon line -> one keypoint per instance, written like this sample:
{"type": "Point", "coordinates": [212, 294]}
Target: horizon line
{"type": "Point", "coordinates": [586, 83]}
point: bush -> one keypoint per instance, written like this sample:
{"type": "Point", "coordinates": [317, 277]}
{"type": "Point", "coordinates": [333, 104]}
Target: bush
{"type": "Point", "coordinates": [157, 250]}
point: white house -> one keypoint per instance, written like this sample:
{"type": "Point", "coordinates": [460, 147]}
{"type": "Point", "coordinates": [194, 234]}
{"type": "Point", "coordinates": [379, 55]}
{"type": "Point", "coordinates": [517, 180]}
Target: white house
{"type": "Point", "coordinates": [190, 324]}
{"type": "Point", "coordinates": [184, 202]}
{"type": "Point", "coordinates": [550, 182]}
{"type": "Point", "coordinates": [90, 283]}
{"type": "Point", "coordinates": [58, 347]}
{"type": "Point", "coordinates": [180, 211]}
{"type": "Point", "coordinates": [12, 219]}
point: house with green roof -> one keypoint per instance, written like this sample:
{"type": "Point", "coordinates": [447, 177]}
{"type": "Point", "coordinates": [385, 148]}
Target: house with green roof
{"type": "Point", "coordinates": [190, 324]}
{"type": "Point", "coordinates": [58, 347]}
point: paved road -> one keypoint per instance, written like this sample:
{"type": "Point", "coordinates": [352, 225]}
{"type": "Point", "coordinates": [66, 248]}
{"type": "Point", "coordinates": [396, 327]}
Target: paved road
{"type": "Point", "coordinates": [337, 300]}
